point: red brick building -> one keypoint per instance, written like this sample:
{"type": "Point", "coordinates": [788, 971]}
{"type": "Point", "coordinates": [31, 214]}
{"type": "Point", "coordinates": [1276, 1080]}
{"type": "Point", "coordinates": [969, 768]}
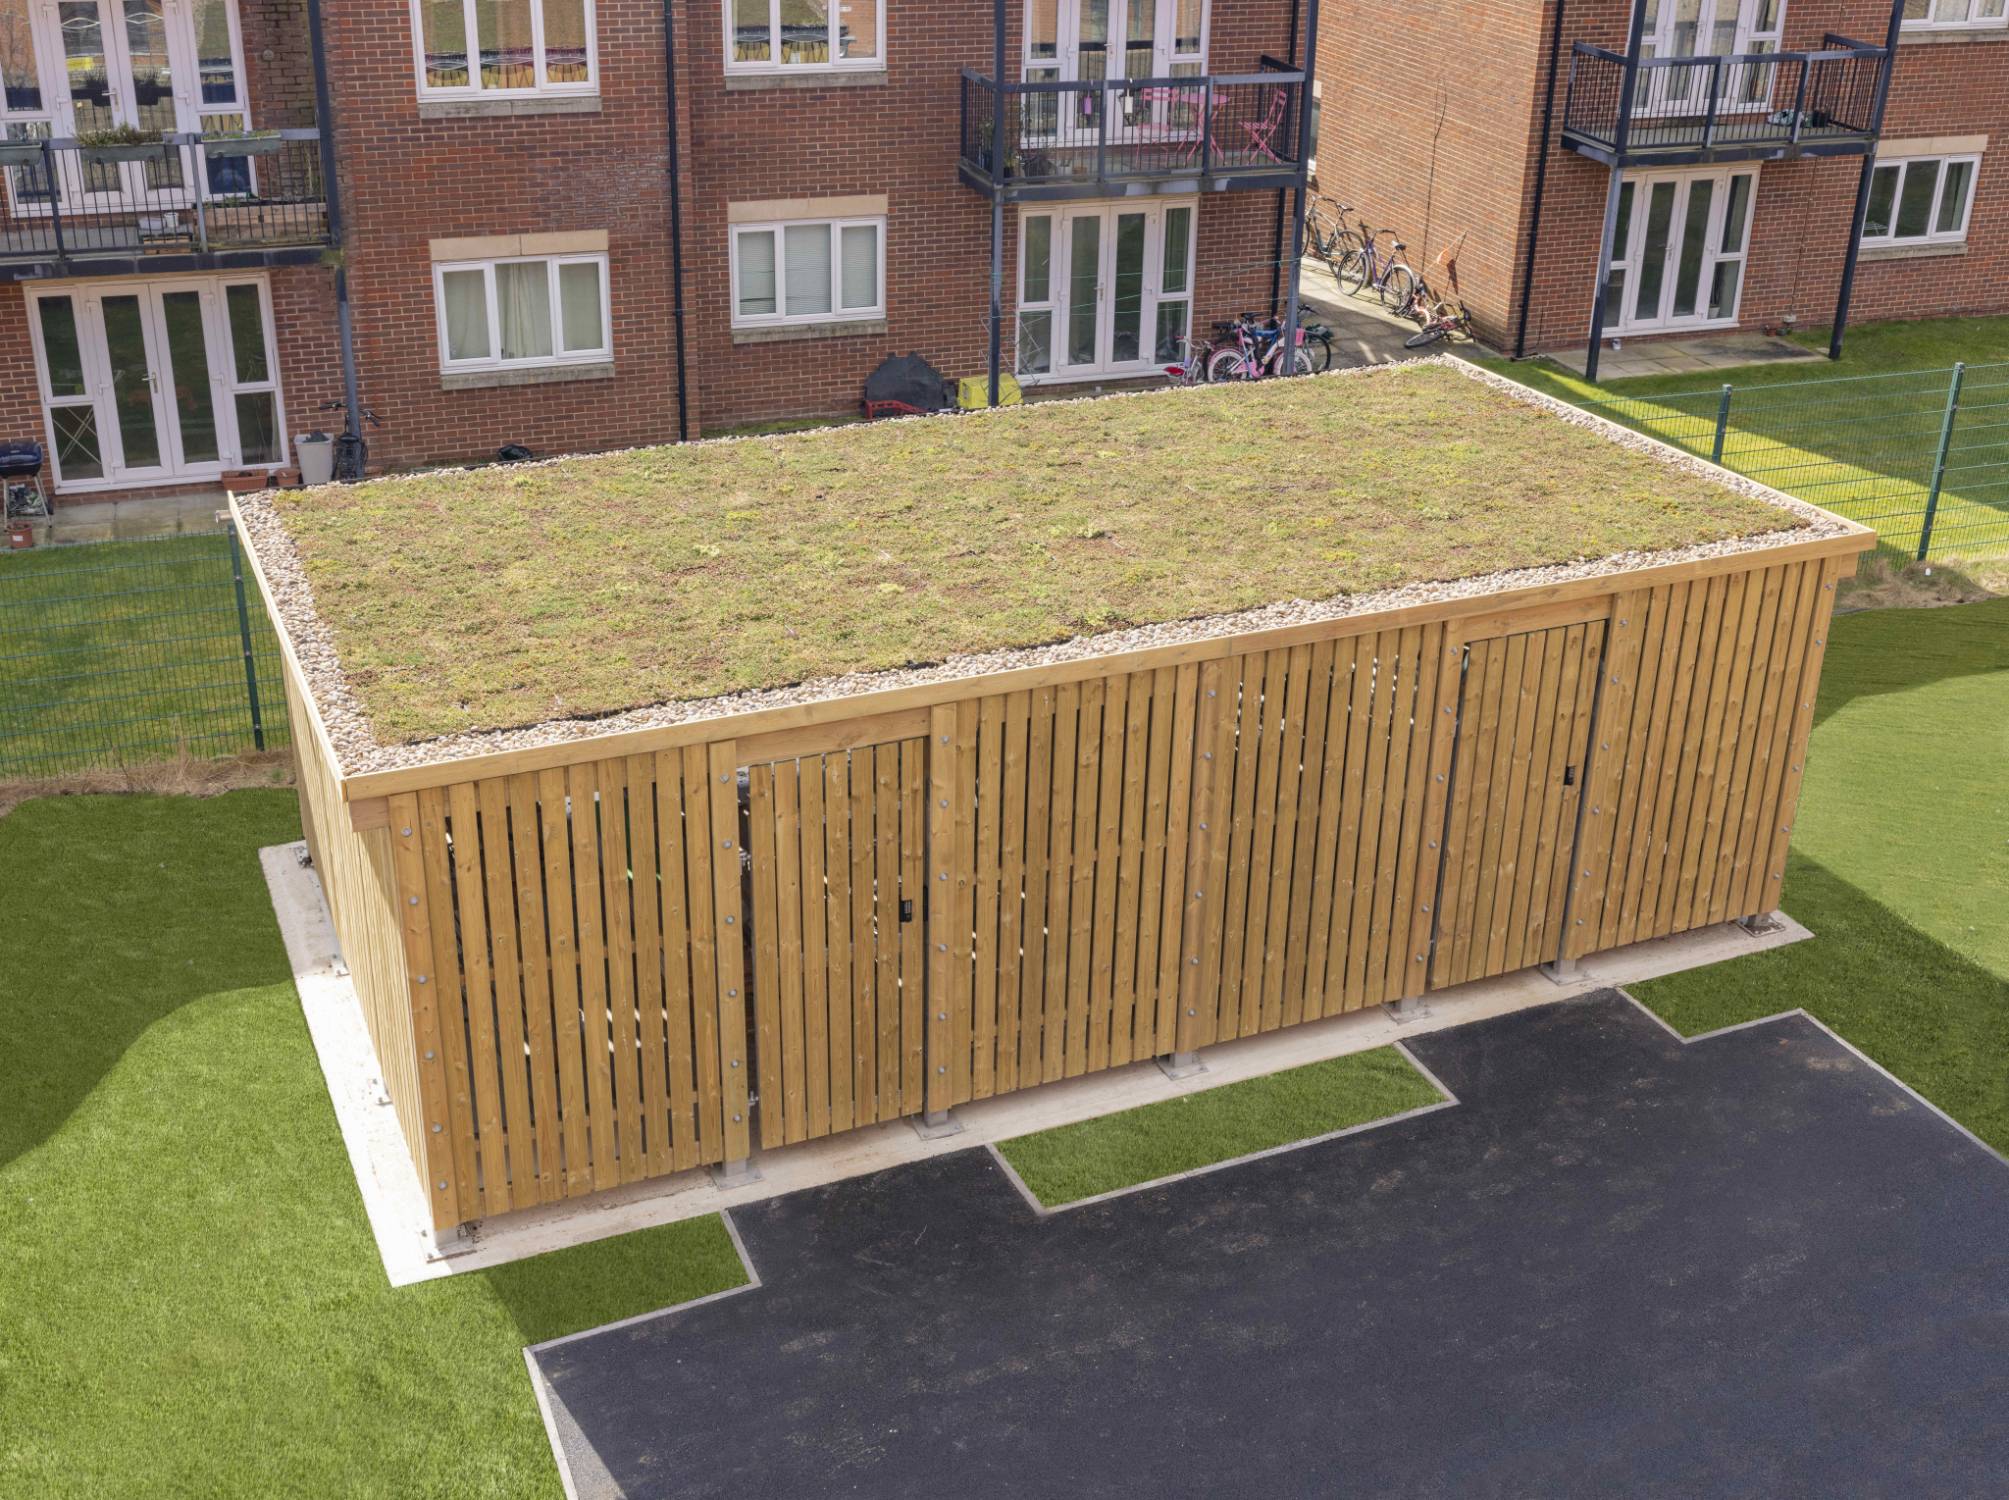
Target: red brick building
{"type": "Point", "coordinates": [1703, 161]}
{"type": "Point", "coordinates": [580, 224]}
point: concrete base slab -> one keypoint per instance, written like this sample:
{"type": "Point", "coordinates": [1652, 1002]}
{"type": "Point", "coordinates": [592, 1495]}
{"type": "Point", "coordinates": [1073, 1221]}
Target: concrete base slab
{"type": "Point", "coordinates": [936, 1127]}
{"type": "Point", "coordinates": [396, 1202]}
{"type": "Point", "coordinates": [1181, 1065]}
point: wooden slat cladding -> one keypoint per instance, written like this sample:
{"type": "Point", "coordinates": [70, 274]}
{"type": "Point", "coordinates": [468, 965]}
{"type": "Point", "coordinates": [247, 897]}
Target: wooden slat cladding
{"type": "Point", "coordinates": [588, 972]}
{"type": "Point", "coordinates": [835, 843]}
{"type": "Point", "coordinates": [583, 965]}
{"type": "Point", "coordinates": [1706, 705]}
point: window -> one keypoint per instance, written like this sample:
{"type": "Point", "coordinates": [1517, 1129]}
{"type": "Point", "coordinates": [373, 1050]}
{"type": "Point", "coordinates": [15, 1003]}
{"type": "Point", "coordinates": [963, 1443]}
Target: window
{"type": "Point", "coordinates": [1922, 200]}
{"type": "Point", "coordinates": [813, 271]}
{"type": "Point", "coordinates": [769, 36]}
{"type": "Point", "coordinates": [514, 314]}
{"type": "Point", "coordinates": [469, 49]}
{"type": "Point", "coordinates": [1954, 15]}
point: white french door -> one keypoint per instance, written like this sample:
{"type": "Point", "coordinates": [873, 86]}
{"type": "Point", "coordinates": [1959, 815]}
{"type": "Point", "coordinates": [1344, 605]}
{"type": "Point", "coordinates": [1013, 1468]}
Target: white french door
{"type": "Point", "coordinates": [1104, 288]}
{"type": "Point", "coordinates": [1679, 250]}
{"type": "Point", "coordinates": [157, 381]}
{"type": "Point", "coordinates": [1092, 41]}
{"type": "Point", "coordinates": [1703, 29]}
{"type": "Point", "coordinates": [85, 66]}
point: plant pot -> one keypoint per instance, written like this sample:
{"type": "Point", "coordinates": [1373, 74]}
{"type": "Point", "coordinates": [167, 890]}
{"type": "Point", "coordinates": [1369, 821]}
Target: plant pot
{"type": "Point", "coordinates": [20, 153]}
{"type": "Point", "coordinates": [20, 536]}
{"type": "Point", "coordinates": [243, 481]}
{"type": "Point", "coordinates": [105, 156]}
{"type": "Point", "coordinates": [251, 145]}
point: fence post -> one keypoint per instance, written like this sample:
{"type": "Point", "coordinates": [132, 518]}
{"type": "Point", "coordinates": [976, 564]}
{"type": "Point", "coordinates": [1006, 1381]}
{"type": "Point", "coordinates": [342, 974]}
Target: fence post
{"type": "Point", "coordinates": [1722, 425]}
{"type": "Point", "coordinates": [244, 636]}
{"type": "Point", "coordinates": [1939, 459]}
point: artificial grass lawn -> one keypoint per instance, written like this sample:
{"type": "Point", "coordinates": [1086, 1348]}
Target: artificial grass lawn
{"type": "Point", "coordinates": [1900, 864]}
{"type": "Point", "coordinates": [514, 595]}
{"type": "Point", "coordinates": [192, 1304]}
{"type": "Point", "coordinates": [1216, 1125]}
{"type": "Point", "coordinates": [1863, 448]}
{"type": "Point", "coordinates": [127, 652]}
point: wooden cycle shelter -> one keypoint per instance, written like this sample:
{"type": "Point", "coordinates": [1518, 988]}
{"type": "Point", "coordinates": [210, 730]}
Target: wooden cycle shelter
{"type": "Point", "coordinates": [674, 803]}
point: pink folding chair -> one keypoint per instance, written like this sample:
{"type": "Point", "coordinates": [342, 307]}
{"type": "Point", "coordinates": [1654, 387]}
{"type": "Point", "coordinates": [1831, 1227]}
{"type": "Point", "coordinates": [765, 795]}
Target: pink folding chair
{"type": "Point", "coordinates": [1260, 135]}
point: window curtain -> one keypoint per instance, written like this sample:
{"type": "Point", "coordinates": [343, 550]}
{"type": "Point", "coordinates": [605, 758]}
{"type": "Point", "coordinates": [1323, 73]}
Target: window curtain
{"type": "Point", "coordinates": [579, 307]}
{"type": "Point", "coordinates": [861, 265]}
{"type": "Point", "coordinates": [756, 274]}
{"type": "Point", "coordinates": [466, 296]}
{"type": "Point", "coordinates": [523, 305]}
{"type": "Point", "coordinates": [806, 269]}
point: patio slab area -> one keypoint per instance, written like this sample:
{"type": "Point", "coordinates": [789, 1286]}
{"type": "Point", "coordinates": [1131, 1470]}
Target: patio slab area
{"type": "Point", "coordinates": [1703, 354]}
{"type": "Point", "coordinates": [1752, 1265]}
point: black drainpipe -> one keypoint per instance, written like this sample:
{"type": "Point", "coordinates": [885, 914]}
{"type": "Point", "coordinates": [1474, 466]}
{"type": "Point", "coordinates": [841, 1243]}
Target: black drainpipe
{"type": "Point", "coordinates": [676, 225]}
{"type": "Point", "coordinates": [349, 452]}
{"type": "Point", "coordinates": [1541, 181]}
{"type": "Point", "coordinates": [1277, 247]}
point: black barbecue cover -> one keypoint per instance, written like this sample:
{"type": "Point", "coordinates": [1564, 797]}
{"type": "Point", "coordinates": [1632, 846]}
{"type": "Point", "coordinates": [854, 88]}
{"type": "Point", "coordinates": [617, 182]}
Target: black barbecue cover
{"type": "Point", "coordinates": [910, 379]}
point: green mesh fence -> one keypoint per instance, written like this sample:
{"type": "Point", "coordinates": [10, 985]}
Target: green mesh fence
{"type": "Point", "coordinates": [1922, 456]}
{"type": "Point", "coordinates": [125, 653]}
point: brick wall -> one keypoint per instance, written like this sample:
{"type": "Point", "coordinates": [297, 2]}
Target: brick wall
{"type": "Point", "coordinates": [278, 61]}
{"type": "Point", "coordinates": [408, 180]}
{"type": "Point", "coordinates": [1432, 158]}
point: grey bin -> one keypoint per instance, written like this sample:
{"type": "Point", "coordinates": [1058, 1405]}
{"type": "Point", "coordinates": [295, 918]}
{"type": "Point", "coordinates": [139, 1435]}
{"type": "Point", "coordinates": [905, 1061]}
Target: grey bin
{"type": "Point", "coordinates": [317, 457]}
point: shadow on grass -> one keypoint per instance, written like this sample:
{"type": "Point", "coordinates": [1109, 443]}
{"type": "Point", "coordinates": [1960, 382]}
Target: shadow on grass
{"type": "Point", "coordinates": [569, 1291]}
{"type": "Point", "coordinates": [1933, 1017]}
{"type": "Point", "coordinates": [114, 913]}
{"type": "Point", "coordinates": [1898, 650]}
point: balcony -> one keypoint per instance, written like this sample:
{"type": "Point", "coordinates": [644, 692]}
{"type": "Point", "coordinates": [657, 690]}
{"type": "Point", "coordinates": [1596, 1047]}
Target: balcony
{"type": "Point", "coordinates": [1759, 106]}
{"type": "Point", "coordinates": [1101, 139]}
{"type": "Point", "coordinates": [185, 202]}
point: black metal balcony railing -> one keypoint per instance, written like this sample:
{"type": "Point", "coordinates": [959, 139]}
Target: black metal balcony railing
{"type": "Point", "coordinates": [184, 195]}
{"type": "Point", "coordinates": [1720, 108]}
{"type": "Point", "coordinates": [1219, 130]}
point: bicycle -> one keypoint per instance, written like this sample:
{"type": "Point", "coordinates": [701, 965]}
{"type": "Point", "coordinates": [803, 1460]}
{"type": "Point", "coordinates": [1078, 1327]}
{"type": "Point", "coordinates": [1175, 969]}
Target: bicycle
{"type": "Point", "coordinates": [1256, 353]}
{"type": "Point", "coordinates": [1329, 237]}
{"type": "Point", "coordinates": [1440, 317]}
{"type": "Point", "coordinates": [1393, 279]}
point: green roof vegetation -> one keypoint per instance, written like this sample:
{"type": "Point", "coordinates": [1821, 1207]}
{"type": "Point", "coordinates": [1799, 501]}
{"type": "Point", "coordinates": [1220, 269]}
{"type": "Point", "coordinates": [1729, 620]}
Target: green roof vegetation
{"type": "Point", "coordinates": [506, 596]}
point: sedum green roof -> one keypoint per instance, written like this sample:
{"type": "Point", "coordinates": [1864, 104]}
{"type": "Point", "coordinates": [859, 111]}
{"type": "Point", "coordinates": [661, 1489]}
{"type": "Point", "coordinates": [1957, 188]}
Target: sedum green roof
{"type": "Point", "coordinates": [497, 597]}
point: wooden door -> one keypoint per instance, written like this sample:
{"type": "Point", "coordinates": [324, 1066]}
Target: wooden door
{"type": "Point", "coordinates": [1519, 760]}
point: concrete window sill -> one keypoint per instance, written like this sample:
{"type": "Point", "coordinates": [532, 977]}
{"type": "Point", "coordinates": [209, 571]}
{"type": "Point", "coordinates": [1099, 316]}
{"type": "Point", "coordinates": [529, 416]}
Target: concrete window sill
{"type": "Point", "coordinates": [1938, 38]}
{"type": "Point", "coordinates": [488, 380]}
{"type": "Point", "coordinates": [861, 78]}
{"type": "Point", "coordinates": [1910, 252]}
{"type": "Point", "coordinates": [469, 109]}
{"type": "Point", "coordinates": [787, 333]}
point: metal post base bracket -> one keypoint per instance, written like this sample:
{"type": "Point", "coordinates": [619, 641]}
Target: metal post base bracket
{"type": "Point", "coordinates": [935, 1125]}
{"type": "Point", "coordinates": [1764, 924]}
{"type": "Point", "coordinates": [1563, 971]}
{"type": "Point", "coordinates": [735, 1173]}
{"type": "Point", "coordinates": [1179, 1065]}
{"type": "Point", "coordinates": [1403, 1011]}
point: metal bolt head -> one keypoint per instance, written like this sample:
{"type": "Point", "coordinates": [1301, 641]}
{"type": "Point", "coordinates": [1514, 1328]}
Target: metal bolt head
{"type": "Point", "coordinates": [429, 1057]}
{"type": "Point", "coordinates": [945, 802]}
{"type": "Point", "coordinates": [1426, 911]}
{"type": "Point", "coordinates": [941, 1070]}
{"type": "Point", "coordinates": [441, 1186]}
{"type": "Point", "coordinates": [941, 1015]}
{"type": "Point", "coordinates": [407, 832]}
{"type": "Point", "coordinates": [437, 1127]}
{"type": "Point", "coordinates": [941, 947]}
{"type": "Point", "coordinates": [732, 994]}
{"type": "Point", "coordinates": [1192, 1012]}
{"type": "Point", "coordinates": [945, 739]}
{"type": "Point", "coordinates": [423, 978]}
{"type": "Point", "coordinates": [725, 843]}
{"type": "Point", "coordinates": [729, 921]}
{"type": "Point", "coordinates": [735, 1062]}
{"type": "Point", "coordinates": [411, 901]}
{"type": "Point", "coordinates": [725, 776]}
{"type": "Point", "coordinates": [735, 1118]}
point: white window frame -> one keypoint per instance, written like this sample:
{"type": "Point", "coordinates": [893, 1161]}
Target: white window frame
{"type": "Point", "coordinates": [1933, 235]}
{"type": "Point", "coordinates": [1973, 21]}
{"type": "Point", "coordinates": [559, 357]}
{"type": "Point", "coordinates": [473, 88]}
{"type": "Point", "coordinates": [774, 64]}
{"type": "Point", "coordinates": [780, 317]}
{"type": "Point", "coordinates": [1624, 258]}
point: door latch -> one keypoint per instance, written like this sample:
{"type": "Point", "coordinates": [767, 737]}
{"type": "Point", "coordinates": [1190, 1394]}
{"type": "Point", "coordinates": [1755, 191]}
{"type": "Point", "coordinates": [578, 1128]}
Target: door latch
{"type": "Point", "coordinates": [907, 910]}
{"type": "Point", "coordinates": [1569, 775]}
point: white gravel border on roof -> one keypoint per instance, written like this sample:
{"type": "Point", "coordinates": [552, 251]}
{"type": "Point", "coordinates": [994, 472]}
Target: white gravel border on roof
{"type": "Point", "coordinates": [358, 749]}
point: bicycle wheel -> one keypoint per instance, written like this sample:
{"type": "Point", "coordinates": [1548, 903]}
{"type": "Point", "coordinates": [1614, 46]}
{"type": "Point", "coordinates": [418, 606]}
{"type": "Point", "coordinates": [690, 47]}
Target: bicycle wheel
{"type": "Point", "coordinates": [1318, 346]}
{"type": "Point", "coordinates": [1353, 272]}
{"type": "Point", "coordinates": [1227, 364]}
{"type": "Point", "coordinates": [1397, 289]}
{"type": "Point", "coordinates": [1432, 331]}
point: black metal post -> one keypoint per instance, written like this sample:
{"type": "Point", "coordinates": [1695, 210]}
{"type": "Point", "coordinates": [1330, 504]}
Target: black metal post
{"type": "Point", "coordinates": [1621, 140]}
{"type": "Point", "coordinates": [676, 226]}
{"type": "Point", "coordinates": [998, 159]}
{"type": "Point", "coordinates": [351, 446]}
{"type": "Point", "coordinates": [1277, 239]}
{"type": "Point", "coordinates": [244, 635]}
{"type": "Point", "coordinates": [1848, 286]}
{"type": "Point", "coordinates": [1722, 425]}
{"type": "Point", "coordinates": [1289, 354]}
{"type": "Point", "coordinates": [1541, 182]}
{"type": "Point", "coordinates": [1946, 422]}
{"type": "Point", "coordinates": [55, 199]}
